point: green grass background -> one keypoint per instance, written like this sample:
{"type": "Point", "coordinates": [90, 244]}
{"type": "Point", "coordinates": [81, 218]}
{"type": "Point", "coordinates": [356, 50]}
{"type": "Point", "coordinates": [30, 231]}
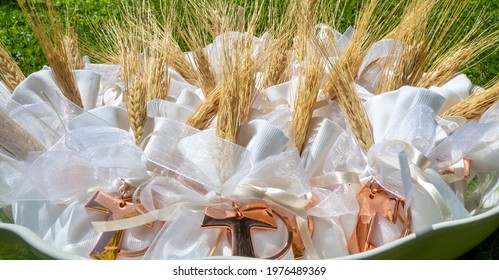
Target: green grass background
{"type": "Point", "coordinates": [18, 39]}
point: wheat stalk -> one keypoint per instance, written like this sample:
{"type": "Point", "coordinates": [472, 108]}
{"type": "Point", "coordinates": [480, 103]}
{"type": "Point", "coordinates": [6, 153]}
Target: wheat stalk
{"type": "Point", "coordinates": [142, 47]}
{"type": "Point", "coordinates": [402, 70]}
{"type": "Point", "coordinates": [136, 90]}
{"type": "Point", "coordinates": [237, 82]}
{"type": "Point", "coordinates": [310, 73]}
{"type": "Point", "coordinates": [373, 22]}
{"type": "Point", "coordinates": [340, 82]}
{"type": "Point", "coordinates": [450, 63]}
{"type": "Point", "coordinates": [207, 79]}
{"type": "Point", "coordinates": [145, 59]}
{"type": "Point", "coordinates": [136, 106]}
{"type": "Point", "coordinates": [237, 72]}
{"type": "Point", "coordinates": [155, 73]}
{"type": "Point", "coordinates": [214, 17]}
{"type": "Point", "coordinates": [180, 62]}
{"type": "Point", "coordinates": [444, 26]}
{"type": "Point", "coordinates": [15, 140]}
{"type": "Point", "coordinates": [445, 70]}
{"type": "Point", "coordinates": [448, 52]}
{"type": "Point", "coordinates": [276, 63]}
{"type": "Point", "coordinates": [206, 111]}
{"type": "Point", "coordinates": [70, 43]}
{"type": "Point", "coordinates": [155, 64]}
{"type": "Point", "coordinates": [10, 73]}
{"type": "Point", "coordinates": [408, 67]}
{"type": "Point", "coordinates": [474, 105]}
{"type": "Point", "coordinates": [51, 40]}
{"type": "Point", "coordinates": [308, 89]}
{"type": "Point", "coordinates": [281, 32]}
{"type": "Point", "coordinates": [345, 93]}
{"type": "Point", "coordinates": [305, 21]}
{"type": "Point", "coordinates": [195, 32]}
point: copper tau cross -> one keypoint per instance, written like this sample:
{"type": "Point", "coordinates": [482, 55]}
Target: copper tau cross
{"type": "Point", "coordinates": [289, 219]}
{"type": "Point", "coordinates": [374, 201]}
{"type": "Point", "coordinates": [108, 244]}
{"type": "Point", "coordinates": [240, 222]}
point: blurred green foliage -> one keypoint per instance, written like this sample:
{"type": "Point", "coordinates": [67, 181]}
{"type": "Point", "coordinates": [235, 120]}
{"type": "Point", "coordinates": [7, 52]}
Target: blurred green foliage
{"type": "Point", "coordinates": [17, 37]}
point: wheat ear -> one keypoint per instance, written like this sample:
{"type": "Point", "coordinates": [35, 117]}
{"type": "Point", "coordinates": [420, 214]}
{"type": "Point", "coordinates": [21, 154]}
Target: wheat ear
{"type": "Point", "coordinates": [237, 80]}
{"type": "Point", "coordinates": [15, 140]}
{"type": "Point", "coordinates": [10, 73]}
{"type": "Point", "coordinates": [344, 91]}
{"type": "Point", "coordinates": [206, 111]}
{"type": "Point", "coordinates": [310, 74]}
{"type": "Point", "coordinates": [474, 105]}
{"type": "Point", "coordinates": [70, 43]}
{"type": "Point", "coordinates": [49, 34]}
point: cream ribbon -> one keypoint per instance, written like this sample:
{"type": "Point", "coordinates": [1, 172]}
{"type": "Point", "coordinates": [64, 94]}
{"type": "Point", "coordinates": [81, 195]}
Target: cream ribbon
{"type": "Point", "coordinates": [335, 178]}
{"type": "Point", "coordinates": [417, 164]}
{"type": "Point", "coordinates": [146, 218]}
{"type": "Point", "coordinates": [289, 202]}
{"type": "Point", "coordinates": [282, 198]}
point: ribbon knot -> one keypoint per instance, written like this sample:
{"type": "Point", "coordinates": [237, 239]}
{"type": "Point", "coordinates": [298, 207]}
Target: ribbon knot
{"type": "Point", "coordinates": [206, 171]}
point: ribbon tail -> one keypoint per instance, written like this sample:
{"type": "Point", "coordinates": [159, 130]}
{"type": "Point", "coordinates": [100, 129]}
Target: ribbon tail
{"type": "Point", "coordinates": [149, 217]}
{"type": "Point", "coordinates": [305, 235]}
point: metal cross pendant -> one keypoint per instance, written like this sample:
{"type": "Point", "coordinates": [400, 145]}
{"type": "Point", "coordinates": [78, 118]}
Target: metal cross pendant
{"type": "Point", "coordinates": [289, 219]}
{"type": "Point", "coordinates": [375, 201]}
{"type": "Point", "coordinates": [240, 222]}
{"type": "Point", "coordinates": [108, 244]}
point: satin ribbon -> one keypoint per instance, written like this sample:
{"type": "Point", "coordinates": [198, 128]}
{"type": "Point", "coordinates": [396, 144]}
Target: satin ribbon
{"type": "Point", "coordinates": [417, 164]}
{"type": "Point", "coordinates": [175, 153]}
{"type": "Point", "coordinates": [335, 178]}
{"type": "Point", "coordinates": [289, 202]}
{"type": "Point", "coordinates": [282, 198]}
{"type": "Point", "coordinates": [161, 214]}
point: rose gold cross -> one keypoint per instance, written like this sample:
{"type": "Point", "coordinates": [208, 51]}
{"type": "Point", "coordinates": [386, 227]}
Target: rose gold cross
{"type": "Point", "coordinates": [108, 244]}
{"type": "Point", "coordinates": [240, 222]}
{"type": "Point", "coordinates": [297, 245]}
{"type": "Point", "coordinates": [374, 201]}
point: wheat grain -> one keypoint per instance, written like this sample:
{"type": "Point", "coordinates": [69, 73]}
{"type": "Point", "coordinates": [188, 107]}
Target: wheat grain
{"type": "Point", "coordinates": [15, 140]}
{"type": "Point", "coordinates": [10, 73]}
{"type": "Point", "coordinates": [475, 105]}
{"type": "Point", "coordinates": [237, 78]}
{"type": "Point", "coordinates": [70, 43]}
{"type": "Point", "coordinates": [310, 74]}
{"type": "Point", "coordinates": [445, 70]}
{"type": "Point", "coordinates": [408, 67]}
{"type": "Point", "coordinates": [49, 33]}
{"type": "Point", "coordinates": [343, 90]}
{"type": "Point", "coordinates": [206, 111]}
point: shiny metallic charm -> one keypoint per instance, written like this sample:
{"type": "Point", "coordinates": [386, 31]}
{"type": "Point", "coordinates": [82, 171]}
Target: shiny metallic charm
{"type": "Point", "coordinates": [297, 245]}
{"type": "Point", "coordinates": [108, 246]}
{"type": "Point", "coordinates": [374, 201]}
{"type": "Point", "coordinates": [240, 221]}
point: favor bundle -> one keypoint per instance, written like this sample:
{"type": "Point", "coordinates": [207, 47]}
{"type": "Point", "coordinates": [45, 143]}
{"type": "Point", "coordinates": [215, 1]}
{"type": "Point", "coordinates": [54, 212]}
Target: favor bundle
{"type": "Point", "coordinates": [298, 142]}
